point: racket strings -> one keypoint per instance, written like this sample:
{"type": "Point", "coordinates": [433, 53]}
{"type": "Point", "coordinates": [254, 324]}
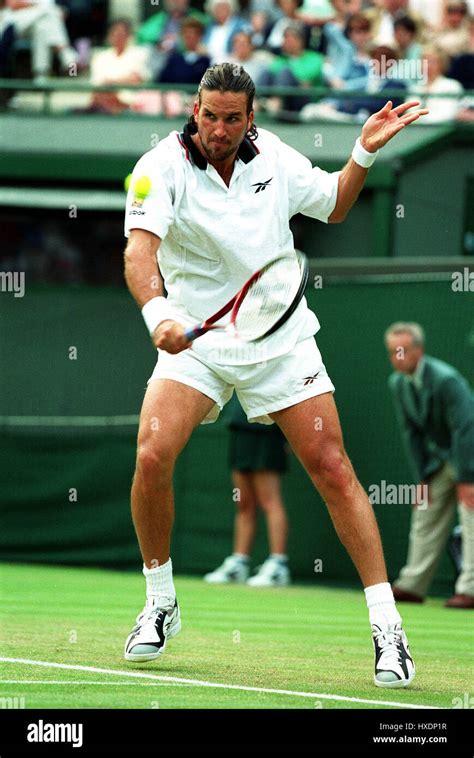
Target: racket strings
{"type": "Point", "coordinates": [268, 298]}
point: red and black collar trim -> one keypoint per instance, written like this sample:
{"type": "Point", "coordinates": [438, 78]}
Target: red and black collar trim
{"type": "Point", "coordinates": [246, 152]}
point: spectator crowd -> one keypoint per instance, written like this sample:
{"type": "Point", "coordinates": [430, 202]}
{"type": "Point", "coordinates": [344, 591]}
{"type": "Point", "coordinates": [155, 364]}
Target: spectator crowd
{"type": "Point", "coordinates": [358, 49]}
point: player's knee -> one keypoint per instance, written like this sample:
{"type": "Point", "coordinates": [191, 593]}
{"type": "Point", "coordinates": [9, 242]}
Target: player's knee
{"type": "Point", "coordinates": [332, 468]}
{"type": "Point", "coordinates": [154, 463]}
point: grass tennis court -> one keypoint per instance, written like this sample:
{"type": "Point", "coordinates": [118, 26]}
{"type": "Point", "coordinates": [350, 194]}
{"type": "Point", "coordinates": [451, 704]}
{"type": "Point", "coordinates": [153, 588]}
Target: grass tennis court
{"type": "Point", "coordinates": [313, 643]}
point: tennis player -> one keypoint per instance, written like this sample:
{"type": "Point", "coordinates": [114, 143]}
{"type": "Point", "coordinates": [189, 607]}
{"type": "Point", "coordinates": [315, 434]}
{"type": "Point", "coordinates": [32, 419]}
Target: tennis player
{"type": "Point", "coordinates": [206, 208]}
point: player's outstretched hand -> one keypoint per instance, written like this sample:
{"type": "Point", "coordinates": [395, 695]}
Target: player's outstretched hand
{"type": "Point", "coordinates": [169, 336]}
{"type": "Point", "coordinates": [386, 123]}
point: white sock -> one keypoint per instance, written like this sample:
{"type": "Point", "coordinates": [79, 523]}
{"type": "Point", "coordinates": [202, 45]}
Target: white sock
{"type": "Point", "coordinates": [159, 584]}
{"type": "Point", "coordinates": [281, 557]}
{"type": "Point", "coordinates": [381, 605]}
{"type": "Point", "coordinates": [241, 557]}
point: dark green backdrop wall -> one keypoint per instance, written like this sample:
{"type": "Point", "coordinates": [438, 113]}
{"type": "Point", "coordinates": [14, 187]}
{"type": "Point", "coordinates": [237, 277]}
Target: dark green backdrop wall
{"type": "Point", "coordinates": [42, 464]}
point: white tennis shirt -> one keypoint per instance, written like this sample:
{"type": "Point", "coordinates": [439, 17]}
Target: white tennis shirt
{"type": "Point", "coordinates": [214, 237]}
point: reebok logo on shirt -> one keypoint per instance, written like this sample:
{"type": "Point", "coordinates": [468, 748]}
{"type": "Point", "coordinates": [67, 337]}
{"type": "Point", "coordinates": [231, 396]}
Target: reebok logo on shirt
{"type": "Point", "coordinates": [261, 185]}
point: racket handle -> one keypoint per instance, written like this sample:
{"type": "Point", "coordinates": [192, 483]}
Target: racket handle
{"type": "Point", "coordinates": [195, 332]}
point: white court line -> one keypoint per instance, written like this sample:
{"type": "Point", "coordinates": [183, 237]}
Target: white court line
{"type": "Point", "coordinates": [106, 684]}
{"type": "Point", "coordinates": [199, 683]}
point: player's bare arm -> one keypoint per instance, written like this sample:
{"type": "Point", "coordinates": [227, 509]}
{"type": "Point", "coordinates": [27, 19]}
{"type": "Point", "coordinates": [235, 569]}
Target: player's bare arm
{"type": "Point", "coordinates": [141, 270]}
{"type": "Point", "coordinates": [144, 282]}
{"type": "Point", "coordinates": [376, 132]}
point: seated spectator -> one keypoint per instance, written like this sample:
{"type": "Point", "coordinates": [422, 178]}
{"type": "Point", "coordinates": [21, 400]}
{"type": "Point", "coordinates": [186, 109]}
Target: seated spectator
{"type": "Point", "coordinates": [42, 21]}
{"type": "Point", "coordinates": [462, 66]}
{"type": "Point", "coordinates": [405, 33]}
{"type": "Point", "coordinates": [122, 63]}
{"type": "Point", "coordinates": [409, 49]}
{"type": "Point", "coordinates": [383, 19]}
{"type": "Point", "coordinates": [188, 66]}
{"type": "Point", "coordinates": [259, 29]}
{"type": "Point", "coordinates": [441, 109]}
{"type": "Point", "coordinates": [294, 67]}
{"type": "Point", "coordinates": [224, 25]}
{"type": "Point", "coordinates": [163, 29]}
{"type": "Point", "coordinates": [181, 66]}
{"type": "Point", "coordinates": [453, 37]}
{"type": "Point", "coordinates": [243, 53]}
{"type": "Point", "coordinates": [162, 32]}
{"type": "Point", "coordinates": [289, 9]}
{"type": "Point", "coordinates": [347, 62]}
{"type": "Point", "coordinates": [382, 77]}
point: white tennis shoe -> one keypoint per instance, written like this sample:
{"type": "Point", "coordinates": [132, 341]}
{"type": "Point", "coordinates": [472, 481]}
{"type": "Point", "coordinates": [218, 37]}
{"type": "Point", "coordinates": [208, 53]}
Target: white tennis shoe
{"type": "Point", "coordinates": [272, 573]}
{"type": "Point", "coordinates": [394, 666]}
{"type": "Point", "coordinates": [233, 570]}
{"type": "Point", "coordinates": [154, 626]}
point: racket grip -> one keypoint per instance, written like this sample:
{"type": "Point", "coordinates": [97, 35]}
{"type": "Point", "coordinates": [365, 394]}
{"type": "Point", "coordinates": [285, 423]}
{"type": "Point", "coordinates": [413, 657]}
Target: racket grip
{"type": "Point", "coordinates": [194, 332]}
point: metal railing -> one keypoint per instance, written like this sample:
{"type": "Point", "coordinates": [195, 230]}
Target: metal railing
{"type": "Point", "coordinates": [69, 84]}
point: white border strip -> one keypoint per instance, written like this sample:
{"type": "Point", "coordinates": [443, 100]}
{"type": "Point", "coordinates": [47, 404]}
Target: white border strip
{"type": "Point", "coordinates": [199, 683]}
{"type": "Point", "coordinates": [82, 683]}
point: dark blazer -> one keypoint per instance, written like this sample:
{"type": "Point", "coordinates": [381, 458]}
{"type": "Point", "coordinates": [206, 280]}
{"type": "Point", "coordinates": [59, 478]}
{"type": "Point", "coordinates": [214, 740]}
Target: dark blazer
{"type": "Point", "coordinates": [441, 427]}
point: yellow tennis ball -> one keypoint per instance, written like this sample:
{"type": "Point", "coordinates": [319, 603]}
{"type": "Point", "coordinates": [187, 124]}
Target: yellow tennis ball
{"type": "Point", "coordinates": [142, 187]}
{"type": "Point", "coordinates": [127, 181]}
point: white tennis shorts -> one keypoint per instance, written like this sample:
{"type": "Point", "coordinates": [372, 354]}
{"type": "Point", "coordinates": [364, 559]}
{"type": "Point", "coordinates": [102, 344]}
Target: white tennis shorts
{"type": "Point", "coordinates": [262, 388]}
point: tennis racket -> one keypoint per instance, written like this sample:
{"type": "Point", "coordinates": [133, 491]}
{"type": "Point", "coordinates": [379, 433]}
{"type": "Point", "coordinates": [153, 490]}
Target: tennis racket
{"type": "Point", "coordinates": [265, 302]}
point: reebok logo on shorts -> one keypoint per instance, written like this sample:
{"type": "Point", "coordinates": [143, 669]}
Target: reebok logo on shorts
{"type": "Point", "coordinates": [309, 379]}
{"type": "Point", "coordinates": [261, 185]}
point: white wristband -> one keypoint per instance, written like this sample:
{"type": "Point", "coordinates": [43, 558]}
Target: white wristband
{"type": "Point", "coordinates": [361, 156]}
{"type": "Point", "coordinates": [155, 311]}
